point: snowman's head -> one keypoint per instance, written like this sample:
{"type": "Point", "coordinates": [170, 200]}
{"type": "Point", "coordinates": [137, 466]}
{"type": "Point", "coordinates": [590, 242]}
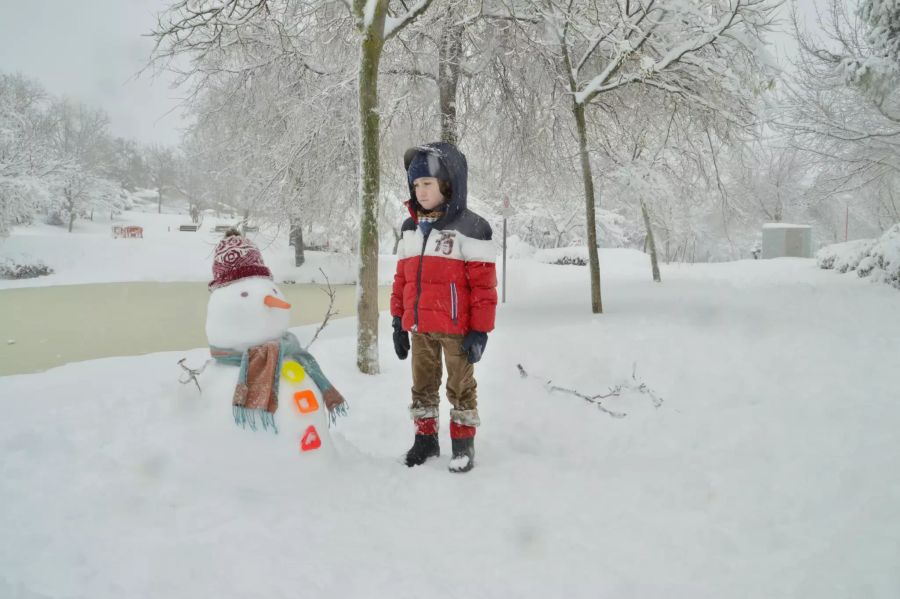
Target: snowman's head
{"type": "Point", "coordinates": [245, 313]}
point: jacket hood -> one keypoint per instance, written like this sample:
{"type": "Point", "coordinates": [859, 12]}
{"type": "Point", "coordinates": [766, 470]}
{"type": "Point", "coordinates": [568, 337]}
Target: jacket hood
{"type": "Point", "coordinates": [457, 168]}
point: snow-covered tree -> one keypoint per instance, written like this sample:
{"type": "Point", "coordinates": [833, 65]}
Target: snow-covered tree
{"type": "Point", "coordinates": [25, 154]}
{"type": "Point", "coordinates": [161, 163]}
{"type": "Point", "coordinates": [244, 37]}
{"type": "Point", "coordinates": [80, 141]}
{"type": "Point", "coordinates": [875, 65]}
{"type": "Point", "coordinates": [842, 108]}
{"type": "Point", "coordinates": [705, 53]}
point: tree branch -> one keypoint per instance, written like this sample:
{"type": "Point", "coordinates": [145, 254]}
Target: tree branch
{"type": "Point", "coordinates": [393, 25]}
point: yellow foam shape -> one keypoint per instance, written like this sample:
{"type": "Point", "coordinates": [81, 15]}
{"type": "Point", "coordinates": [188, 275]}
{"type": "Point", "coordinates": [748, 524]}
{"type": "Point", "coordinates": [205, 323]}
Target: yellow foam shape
{"type": "Point", "coordinates": [292, 371]}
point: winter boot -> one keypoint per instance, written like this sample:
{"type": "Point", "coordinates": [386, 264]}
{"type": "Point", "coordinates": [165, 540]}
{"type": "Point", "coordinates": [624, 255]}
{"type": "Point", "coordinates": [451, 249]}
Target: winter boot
{"type": "Point", "coordinates": [424, 447]}
{"type": "Point", "coordinates": [463, 454]}
{"type": "Point", "coordinates": [426, 444]}
{"type": "Point", "coordinates": [462, 437]}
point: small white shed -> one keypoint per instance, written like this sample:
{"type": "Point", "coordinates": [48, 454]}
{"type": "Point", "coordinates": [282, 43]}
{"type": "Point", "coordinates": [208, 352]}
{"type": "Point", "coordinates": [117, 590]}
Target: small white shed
{"type": "Point", "coordinates": [785, 240]}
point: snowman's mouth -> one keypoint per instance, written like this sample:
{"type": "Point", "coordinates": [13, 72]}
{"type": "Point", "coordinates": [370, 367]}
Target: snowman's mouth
{"type": "Point", "coordinates": [274, 302]}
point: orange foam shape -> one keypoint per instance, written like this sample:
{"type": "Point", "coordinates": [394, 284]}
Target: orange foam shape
{"type": "Point", "coordinates": [306, 401]}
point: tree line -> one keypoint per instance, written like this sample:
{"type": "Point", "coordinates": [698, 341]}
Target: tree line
{"type": "Point", "coordinates": [59, 161]}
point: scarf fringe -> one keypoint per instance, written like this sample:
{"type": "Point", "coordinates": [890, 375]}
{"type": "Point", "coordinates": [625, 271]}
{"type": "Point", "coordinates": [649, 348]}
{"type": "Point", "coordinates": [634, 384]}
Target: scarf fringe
{"type": "Point", "coordinates": [341, 410]}
{"type": "Point", "coordinates": [247, 418]}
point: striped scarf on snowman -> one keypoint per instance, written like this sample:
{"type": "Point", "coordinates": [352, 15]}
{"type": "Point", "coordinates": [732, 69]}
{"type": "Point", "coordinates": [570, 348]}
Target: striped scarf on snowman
{"type": "Point", "coordinates": [256, 394]}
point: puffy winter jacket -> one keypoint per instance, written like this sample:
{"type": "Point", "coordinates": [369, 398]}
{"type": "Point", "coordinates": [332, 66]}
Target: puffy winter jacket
{"type": "Point", "coordinates": [446, 282]}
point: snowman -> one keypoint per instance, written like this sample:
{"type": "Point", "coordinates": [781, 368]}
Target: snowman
{"type": "Point", "coordinates": [259, 376]}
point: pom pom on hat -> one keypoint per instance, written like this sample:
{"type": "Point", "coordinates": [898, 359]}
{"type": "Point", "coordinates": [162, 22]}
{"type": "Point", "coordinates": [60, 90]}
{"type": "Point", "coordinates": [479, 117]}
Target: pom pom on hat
{"type": "Point", "coordinates": [426, 164]}
{"type": "Point", "coordinates": [236, 258]}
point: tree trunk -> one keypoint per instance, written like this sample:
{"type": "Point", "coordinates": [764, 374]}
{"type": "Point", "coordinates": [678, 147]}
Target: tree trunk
{"type": "Point", "coordinates": [651, 242]}
{"type": "Point", "coordinates": [70, 206]}
{"type": "Point", "coordinates": [397, 238]}
{"type": "Point", "coordinates": [367, 283]}
{"type": "Point", "coordinates": [296, 240]}
{"type": "Point", "coordinates": [588, 177]}
{"type": "Point", "coordinates": [159, 200]}
{"type": "Point", "coordinates": [449, 56]}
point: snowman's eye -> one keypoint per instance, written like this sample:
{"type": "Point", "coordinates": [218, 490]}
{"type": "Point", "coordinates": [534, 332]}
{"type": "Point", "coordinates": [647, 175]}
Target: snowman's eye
{"type": "Point", "coordinates": [275, 291]}
{"type": "Point", "coordinates": [244, 294]}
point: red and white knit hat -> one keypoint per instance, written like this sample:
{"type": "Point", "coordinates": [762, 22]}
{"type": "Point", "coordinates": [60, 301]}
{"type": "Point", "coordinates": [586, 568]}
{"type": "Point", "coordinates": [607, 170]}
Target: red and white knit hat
{"type": "Point", "coordinates": [236, 258]}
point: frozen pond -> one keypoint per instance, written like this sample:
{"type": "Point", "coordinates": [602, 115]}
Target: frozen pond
{"type": "Point", "coordinates": [43, 327]}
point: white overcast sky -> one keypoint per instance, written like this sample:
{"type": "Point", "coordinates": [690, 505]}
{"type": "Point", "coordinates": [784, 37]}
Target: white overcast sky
{"type": "Point", "coordinates": [91, 50]}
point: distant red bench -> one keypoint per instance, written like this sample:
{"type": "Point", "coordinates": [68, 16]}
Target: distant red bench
{"type": "Point", "coordinates": [128, 232]}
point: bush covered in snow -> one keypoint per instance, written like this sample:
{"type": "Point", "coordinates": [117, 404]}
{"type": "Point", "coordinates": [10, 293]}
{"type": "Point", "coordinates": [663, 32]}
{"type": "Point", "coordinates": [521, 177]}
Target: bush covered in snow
{"type": "Point", "coordinates": [13, 270]}
{"type": "Point", "coordinates": [878, 259]}
{"type": "Point", "coordinates": [844, 257]}
{"type": "Point", "coordinates": [571, 255]}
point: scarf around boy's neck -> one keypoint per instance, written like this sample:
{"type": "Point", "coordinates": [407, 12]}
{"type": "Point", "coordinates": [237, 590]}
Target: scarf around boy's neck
{"type": "Point", "coordinates": [427, 218]}
{"type": "Point", "coordinates": [256, 393]}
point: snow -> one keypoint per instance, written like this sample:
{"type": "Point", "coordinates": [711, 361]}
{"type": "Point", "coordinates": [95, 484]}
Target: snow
{"type": "Point", "coordinates": [877, 259]}
{"type": "Point", "coordinates": [369, 14]}
{"type": "Point", "coordinates": [458, 464]}
{"type": "Point", "coordinates": [237, 316]}
{"type": "Point", "coordinates": [784, 226]}
{"type": "Point", "coordinates": [846, 256]}
{"type": "Point", "coordinates": [90, 254]}
{"type": "Point", "coordinates": [772, 468]}
{"type": "Point", "coordinates": [392, 24]}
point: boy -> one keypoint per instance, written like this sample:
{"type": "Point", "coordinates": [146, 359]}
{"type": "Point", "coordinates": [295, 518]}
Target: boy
{"type": "Point", "coordinates": [445, 294]}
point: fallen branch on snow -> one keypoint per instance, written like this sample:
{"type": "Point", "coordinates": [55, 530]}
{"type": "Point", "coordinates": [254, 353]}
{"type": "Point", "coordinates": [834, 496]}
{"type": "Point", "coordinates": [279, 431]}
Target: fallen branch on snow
{"type": "Point", "coordinates": [615, 391]}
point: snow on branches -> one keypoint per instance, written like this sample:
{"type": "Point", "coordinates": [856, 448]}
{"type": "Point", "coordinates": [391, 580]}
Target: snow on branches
{"type": "Point", "coordinates": [633, 385]}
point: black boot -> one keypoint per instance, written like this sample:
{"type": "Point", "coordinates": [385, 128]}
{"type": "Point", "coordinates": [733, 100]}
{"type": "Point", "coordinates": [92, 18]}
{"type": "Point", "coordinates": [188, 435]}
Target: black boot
{"type": "Point", "coordinates": [424, 447]}
{"type": "Point", "coordinates": [463, 454]}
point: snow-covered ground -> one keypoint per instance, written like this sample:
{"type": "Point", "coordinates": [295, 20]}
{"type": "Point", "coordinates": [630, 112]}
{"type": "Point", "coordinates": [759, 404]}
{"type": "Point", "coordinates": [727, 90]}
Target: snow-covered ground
{"type": "Point", "coordinates": [90, 254]}
{"type": "Point", "coordinates": [772, 468]}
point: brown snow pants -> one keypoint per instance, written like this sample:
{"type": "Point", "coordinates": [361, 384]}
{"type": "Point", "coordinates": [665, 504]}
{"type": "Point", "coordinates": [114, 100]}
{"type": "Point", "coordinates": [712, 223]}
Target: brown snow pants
{"type": "Point", "coordinates": [427, 373]}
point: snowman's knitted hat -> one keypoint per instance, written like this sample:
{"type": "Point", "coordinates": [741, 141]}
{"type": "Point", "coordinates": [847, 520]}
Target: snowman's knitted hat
{"type": "Point", "coordinates": [236, 258]}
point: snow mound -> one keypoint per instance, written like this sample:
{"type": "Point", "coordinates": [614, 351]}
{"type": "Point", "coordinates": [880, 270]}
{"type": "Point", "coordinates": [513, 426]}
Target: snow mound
{"type": "Point", "coordinates": [844, 257]}
{"type": "Point", "coordinates": [878, 259]}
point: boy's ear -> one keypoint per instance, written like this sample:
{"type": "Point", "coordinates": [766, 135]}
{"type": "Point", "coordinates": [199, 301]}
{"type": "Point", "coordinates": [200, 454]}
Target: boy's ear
{"type": "Point", "coordinates": [408, 157]}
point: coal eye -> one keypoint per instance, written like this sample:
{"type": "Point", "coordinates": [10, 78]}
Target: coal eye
{"type": "Point", "coordinates": [244, 294]}
{"type": "Point", "coordinates": [275, 291]}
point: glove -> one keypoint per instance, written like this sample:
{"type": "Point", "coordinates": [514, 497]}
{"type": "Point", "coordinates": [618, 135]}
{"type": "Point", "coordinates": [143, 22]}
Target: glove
{"type": "Point", "coordinates": [473, 344]}
{"type": "Point", "coordinates": [401, 339]}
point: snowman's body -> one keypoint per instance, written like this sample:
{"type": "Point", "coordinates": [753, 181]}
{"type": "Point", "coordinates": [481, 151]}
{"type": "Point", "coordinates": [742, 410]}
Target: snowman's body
{"type": "Point", "coordinates": [248, 313]}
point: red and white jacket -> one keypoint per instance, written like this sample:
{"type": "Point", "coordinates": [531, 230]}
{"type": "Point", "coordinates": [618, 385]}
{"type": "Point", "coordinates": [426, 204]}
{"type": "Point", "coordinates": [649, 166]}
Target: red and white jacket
{"type": "Point", "coordinates": [446, 282]}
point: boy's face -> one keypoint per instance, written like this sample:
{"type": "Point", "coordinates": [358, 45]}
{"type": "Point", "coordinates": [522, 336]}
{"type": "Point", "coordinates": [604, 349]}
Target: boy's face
{"type": "Point", "coordinates": [428, 194]}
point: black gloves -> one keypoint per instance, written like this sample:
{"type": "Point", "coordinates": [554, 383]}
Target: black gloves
{"type": "Point", "coordinates": [473, 344]}
{"type": "Point", "coordinates": [401, 339]}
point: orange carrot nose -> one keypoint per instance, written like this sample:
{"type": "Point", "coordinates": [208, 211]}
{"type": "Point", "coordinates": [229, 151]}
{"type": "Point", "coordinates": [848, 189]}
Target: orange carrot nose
{"type": "Point", "coordinates": [274, 302]}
